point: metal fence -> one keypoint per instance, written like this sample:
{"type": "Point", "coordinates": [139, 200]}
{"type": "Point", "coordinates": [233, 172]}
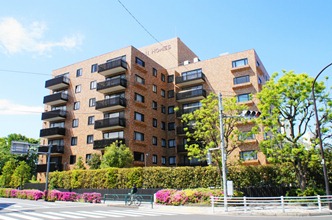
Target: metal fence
{"type": "Point", "coordinates": [250, 203]}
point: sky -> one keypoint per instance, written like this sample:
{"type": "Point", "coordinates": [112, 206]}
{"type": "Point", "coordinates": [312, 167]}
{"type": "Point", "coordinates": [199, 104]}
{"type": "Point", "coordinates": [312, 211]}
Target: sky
{"type": "Point", "coordinates": [39, 36]}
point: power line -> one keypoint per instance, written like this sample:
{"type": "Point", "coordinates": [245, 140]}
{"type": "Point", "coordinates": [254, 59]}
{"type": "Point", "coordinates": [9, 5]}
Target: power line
{"type": "Point", "coordinates": [25, 72]}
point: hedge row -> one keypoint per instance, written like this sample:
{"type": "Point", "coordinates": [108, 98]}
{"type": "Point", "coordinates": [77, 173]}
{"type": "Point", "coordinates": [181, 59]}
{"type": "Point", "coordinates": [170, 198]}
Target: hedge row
{"type": "Point", "coordinates": [163, 177]}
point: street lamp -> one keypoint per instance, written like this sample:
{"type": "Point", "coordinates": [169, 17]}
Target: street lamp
{"type": "Point", "coordinates": [326, 179]}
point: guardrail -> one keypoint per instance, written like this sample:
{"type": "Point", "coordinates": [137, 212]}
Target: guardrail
{"type": "Point", "coordinates": [147, 198]}
{"type": "Point", "coordinates": [275, 202]}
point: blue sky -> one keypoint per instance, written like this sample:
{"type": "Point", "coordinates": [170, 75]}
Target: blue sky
{"type": "Point", "coordinates": [38, 36]}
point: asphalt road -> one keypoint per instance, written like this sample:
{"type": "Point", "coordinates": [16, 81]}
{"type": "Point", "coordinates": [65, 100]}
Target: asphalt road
{"type": "Point", "coordinates": [17, 209]}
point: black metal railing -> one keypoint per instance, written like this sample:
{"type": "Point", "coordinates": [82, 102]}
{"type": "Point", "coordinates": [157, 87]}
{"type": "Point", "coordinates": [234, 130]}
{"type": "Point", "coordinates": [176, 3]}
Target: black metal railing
{"type": "Point", "coordinates": [190, 77]}
{"type": "Point", "coordinates": [57, 81]}
{"type": "Point", "coordinates": [111, 102]}
{"type": "Point", "coordinates": [186, 111]}
{"type": "Point", "coordinates": [111, 83]}
{"type": "Point", "coordinates": [182, 130]}
{"type": "Point", "coordinates": [191, 94]}
{"type": "Point", "coordinates": [54, 114]}
{"type": "Point", "coordinates": [41, 168]}
{"type": "Point", "coordinates": [55, 97]}
{"type": "Point", "coordinates": [112, 64]}
{"type": "Point", "coordinates": [110, 122]}
{"type": "Point", "coordinates": [52, 131]}
{"type": "Point", "coordinates": [56, 149]}
{"type": "Point", "coordinates": [101, 144]}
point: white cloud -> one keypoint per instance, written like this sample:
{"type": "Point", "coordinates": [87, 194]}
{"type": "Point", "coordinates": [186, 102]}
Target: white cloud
{"type": "Point", "coordinates": [9, 108]}
{"type": "Point", "coordinates": [16, 38]}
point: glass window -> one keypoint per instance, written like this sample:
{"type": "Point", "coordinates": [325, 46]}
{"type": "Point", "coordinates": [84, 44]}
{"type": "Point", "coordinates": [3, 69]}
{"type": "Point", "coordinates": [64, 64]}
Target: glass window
{"type": "Point", "coordinates": [91, 120]}
{"type": "Point", "coordinates": [170, 94]}
{"type": "Point", "coordinates": [79, 72]}
{"type": "Point", "coordinates": [154, 122]}
{"type": "Point", "coordinates": [171, 143]}
{"type": "Point", "coordinates": [241, 79]}
{"type": "Point", "coordinates": [154, 72]}
{"type": "Point", "coordinates": [87, 158]}
{"type": "Point", "coordinates": [73, 141]}
{"type": "Point", "coordinates": [113, 135]}
{"type": "Point", "coordinates": [163, 160]}
{"type": "Point", "coordinates": [138, 156]}
{"type": "Point", "coordinates": [154, 105]}
{"type": "Point", "coordinates": [94, 68]}
{"type": "Point", "coordinates": [192, 74]}
{"type": "Point", "coordinates": [72, 159]}
{"type": "Point", "coordinates": [246, 136]}
{"type": "Point", "coordinates": [138, 116]}
{"type": "Point", "coordinates": [163, 109]}
{"type": "Point", "coordinates": [154, 140]}
{"type": "Point", "coordinates": [171, 160]}
{"type": "Point", "coordinates": [163, 142]}
{"type": "Point", "coordinates": [92, 102]}
{"type": "Point", "coordinates": [171, 126]}
{"type": "Point", "coordinates": [163, 77]}
{"type": "Point", "coordinates": [243, 97]}
{"type": "Point", "coordinates": [139, 98]}
{"type": "Point", "coordinates": [75, 123]}
{"type": "Point", "coordinates": [138, 136]}
{"type": "Point", "coordinates": [248, 155]}
{"type": "Point", "coordinates": [93, 85]}
{"type": "Point", "coordinates": [170, 110]}
{"type": "Point", "coordinates": [139, 79]}
{"type": "Point", "coordinates": [78, 89]}
{"type": "Point", "coordinates": [162, 93]}
{"type": "Point", "coordinates": [140, 62]}
{"type": "Point", "coordinates": [163, 125]}
{"type": "Point", "coordinates": [89, 139]}
{"type": "Point", "coordinates": [154, 88]}
{"type": "Point", "coordinates": [241, 62]}
{"type": "Point", "coordinates": [154, 159]}
{"type": "Point", "coordinates": [76, 105]}
{"type": "Point", "coordinates": [170, 78]}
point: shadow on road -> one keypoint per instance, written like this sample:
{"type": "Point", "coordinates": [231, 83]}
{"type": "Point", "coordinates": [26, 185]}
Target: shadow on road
{"type": "Point", "coordinates": [5, 205]}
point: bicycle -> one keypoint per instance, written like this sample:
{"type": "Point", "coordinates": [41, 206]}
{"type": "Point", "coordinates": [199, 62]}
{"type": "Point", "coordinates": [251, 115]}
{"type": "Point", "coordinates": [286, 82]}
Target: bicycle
{"type": "Point", "coordinates": [135, 199]}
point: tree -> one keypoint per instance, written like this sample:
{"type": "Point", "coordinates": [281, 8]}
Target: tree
{"type": "Point", "coordinates": [80, 164]}
{"type": "Point", "coordinates": [117, 155]}
{"type": "Point", "coordinates": [21, 175]}
{"type": "Point", "coordinates": [286, 111]}
{"type": "Point", "coordinates": [205, 133]}
{"type": "Point", "coordinates": [7, 172]}
{"type": "Point", "coordinates": [95, 161]}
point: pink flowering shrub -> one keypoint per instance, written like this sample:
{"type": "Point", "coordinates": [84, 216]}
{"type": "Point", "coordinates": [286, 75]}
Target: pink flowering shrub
{"type": "Point", "coordinates": [91, 197]}
{"type": "Point", "coordinates": [56, 195]}
{"type": "Point", "coordinates": [164, 196]}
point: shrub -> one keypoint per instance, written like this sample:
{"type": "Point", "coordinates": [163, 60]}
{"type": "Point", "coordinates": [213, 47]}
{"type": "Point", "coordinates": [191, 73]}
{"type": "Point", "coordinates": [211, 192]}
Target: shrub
{"type": "Point", "coordinates": [91, 197]}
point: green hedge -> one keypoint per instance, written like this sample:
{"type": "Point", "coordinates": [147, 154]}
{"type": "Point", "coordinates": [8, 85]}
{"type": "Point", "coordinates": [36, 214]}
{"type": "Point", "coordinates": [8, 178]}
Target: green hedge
{"type": "Point", "coordinates": [163, 177]}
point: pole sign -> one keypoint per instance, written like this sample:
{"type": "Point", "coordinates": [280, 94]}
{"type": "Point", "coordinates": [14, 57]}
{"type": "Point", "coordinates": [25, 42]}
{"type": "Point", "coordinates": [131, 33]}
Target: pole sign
{"type": "Point", "coordinates": [19, 147]}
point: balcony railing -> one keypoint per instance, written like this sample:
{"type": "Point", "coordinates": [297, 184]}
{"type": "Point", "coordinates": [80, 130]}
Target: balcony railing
{"type": "Point", "coordinates": [101, 144]}
{"type": "Point", "coordinates": [191, 95]}
{"type": "Point", "coordinates": [56, 149]}
{"type": "Point", "coordinates": [111, 104]}
{"type": "Point", "coordinates": [183, 130]}
{"type": "Point", "coordinates": [56, 99]}
{"type": "Point", "coordinates": [190, 79]}
{"type": "Point", "coordinates": [186, 111]}
{"type": "Point", "coordinates": [52, 132]}
{"type": "Point", "coordinates": [54, 115]}
{"type": "Point", "coordinates": [112, 85]}
{"type": "Point", "coordinates": [57, 83]}
{"type": "Point", "coordinates": [181, 148]}
{"type": "Point", "coordinates": [112, 67]}
{"type": "Point", "coordinates": [41, 168]}
{"type": "Point", "coordinates": [110, 123]}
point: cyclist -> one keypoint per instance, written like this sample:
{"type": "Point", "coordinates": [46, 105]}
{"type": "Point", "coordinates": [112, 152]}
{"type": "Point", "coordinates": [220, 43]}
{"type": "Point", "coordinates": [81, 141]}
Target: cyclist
{"type": "Point", "coordinates": [133, 191]}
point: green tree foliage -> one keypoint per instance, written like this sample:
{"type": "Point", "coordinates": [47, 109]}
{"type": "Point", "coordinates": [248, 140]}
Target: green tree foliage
{"type": "Point", "coordinates": [7, 172]}
{"type": "Point", "coordinates": [95, 161]}
{"type": "Point", "coordinates": [21, 175]}
{"type": "Point", "coordinates": [287, 109]}
{"type": "Point", "coordinates": [80, 164]}
{"type": "Point", "coordinates": [117, 155]}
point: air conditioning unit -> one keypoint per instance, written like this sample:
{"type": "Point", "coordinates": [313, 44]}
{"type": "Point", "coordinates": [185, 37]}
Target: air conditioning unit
{"type": "Point", "coordinates": [186, 62]}
{"type": "Point", "coordinates": [196, 59]}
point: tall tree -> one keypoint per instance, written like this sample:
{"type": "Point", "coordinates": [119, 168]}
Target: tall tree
{"type": "Point", "coordinates": [117, 155]}
{"type": "Point", "coordinates": [21, 175]}
{"type": "Point", "coordinates": [7, 172]}
{"type": "Point", "coordinates": [80, 164]}
{"type": "Point", "coordinates": [95, 161]}
{"type": "Point", "coordinates": [287, 110]}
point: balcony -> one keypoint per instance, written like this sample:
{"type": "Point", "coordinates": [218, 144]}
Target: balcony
{"type": "Point", "coordinates": [41, 168]}
{"type": "Point", "coordinates": [101, 144]}
{"type": "Point", "coordinates": [186, 111]}
{"type": "Point", "coordinates": [110, 124]}
{"type": "Point", "coordinates": [55, 115]}
{"type": "Point", "coordinates": [112, 68]}
{"type": "Point", "coordinates": [111, 86]}
{"type": "Point", "coordinates": [181, 148]}
{"type": "Point", "coordinates": [56, 99]}
{"type": "Point", "coordinates": [52, 132]}
{"type": "Point", "coordinates": [111, 104]}
{"type": "Point", "coordinates": [189, 96]}
{"type": "Point", "coordinates": [181, 131]}
{"type": "Point", "coordinates": [242, 85]}
{"type": "Point", "coordinates": [240, 68]}
{"type": "Point", "coordinates": [57, 83]}
{"type": "Point", "coordinates": [190, 79]}
{"type": "Point", "coordinates": [54, 150]}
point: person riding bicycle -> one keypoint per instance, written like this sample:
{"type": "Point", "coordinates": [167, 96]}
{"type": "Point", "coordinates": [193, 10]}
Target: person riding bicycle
{"type": "Point", "coordinates": [133, 191]}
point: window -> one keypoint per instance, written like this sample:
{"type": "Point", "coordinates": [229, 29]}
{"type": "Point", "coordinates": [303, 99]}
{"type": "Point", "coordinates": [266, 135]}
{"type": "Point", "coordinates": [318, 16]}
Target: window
{"type": "Point", "coordinates": [92, 102]}
{"type": "Point", "coordinates": [154, 159]}
{"type": "Point", "coordinates": [163, 142]}
{"type": "Point", "coordinates": [163, 125]}
{"type": "Point", "coordinates": [75, 123]}
{"type": "Point", "coordinates": [87, 158]}
{"type": "Point", "coordinates": [139, 98]}
{"type": "Point", "coordinates": [72, 159]}
{"type": "Point", "coordinates": [171, 143]}
{"type": "Point", "coordinates": [154, 122]}
{"type": "Point", "coordinates": [248, 155]}
{"type": "Point", "coordinates": [139, 79]}
{"type": "Point", "coordinates": [246, 136]}
{"type": "Point", "coordinates": [91, 120]}
{"type": "Point", "coordinates": [76, 105]}
{"type": "Point", "coordinates": [93, 85]}
{"type": "Point", "coordinates": [170, 110]}
{"type": "Point", "coordinates": [138, 156]}
{"type": "Point", "coordinates": [192, 74]}
{"type": "Point", "coordinates": [73, 141]}
{"type": "Point", "coordinates": [171, 126]}
{"type": "Point", "coordinates": [89, 139]}
{"type": "Point", "coordinates": [162, 93]}
{"type": "Point", "coordinates": [113, 135]}
{"type": "Point", "coordinates": [154, 140]}
{"type": "Point", "coordinates": [171, 160]}
{"type": "Point", "coordinates": [79, 72]}
{"type": "Point", "coordinates": [241, 79]}
{"type": "Point", "coordinates": [170, 78]}
{"type": "Point", "coordinates": [78, 89]}
{"type": "Point", "coordinates": [163, 109]}
{"type": "Point", "coordinates": [154, 88]}
{"type": "Point", "coordinates": [163, 160]}
{"type": "Point", "coordinates": [163, 78]}
{"type": "Point", "coordinates": [140, 62]}
{"type": "Point", "coordinates": [138, 116]}
{"type": "Point", "coordinates": [170, 94]}
{"type": "Point", "coordinates": [94, 68]}
{"type": "Point", "coordinates": [154, 72]}
{"type": "Point", "coordinates": [241, 62]}
{"type": "Point", "coordinates": [138, 136]}
{"type": "Point", "coordinates": [154, 105]}
{"type": "Point", "coordinates": [243, 97]}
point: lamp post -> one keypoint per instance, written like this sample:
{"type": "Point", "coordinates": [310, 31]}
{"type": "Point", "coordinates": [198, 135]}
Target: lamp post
{"type": "Point", "coordinates": [326, 179]}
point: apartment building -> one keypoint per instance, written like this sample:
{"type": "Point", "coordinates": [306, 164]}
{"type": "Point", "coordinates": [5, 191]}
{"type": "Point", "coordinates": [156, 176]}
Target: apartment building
{"type": "Point", "coordinates": [130, 95]}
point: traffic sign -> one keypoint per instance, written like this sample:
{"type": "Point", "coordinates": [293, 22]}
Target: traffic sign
{"type": "Point", "coordinates": [19, 147]}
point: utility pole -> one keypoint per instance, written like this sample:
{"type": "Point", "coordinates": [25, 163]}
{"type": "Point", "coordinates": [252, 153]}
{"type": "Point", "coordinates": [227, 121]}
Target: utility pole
{"type": "Point", "coordinates": [47, 170]}
{"type": "Point", "coordinates": [222, 149]}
